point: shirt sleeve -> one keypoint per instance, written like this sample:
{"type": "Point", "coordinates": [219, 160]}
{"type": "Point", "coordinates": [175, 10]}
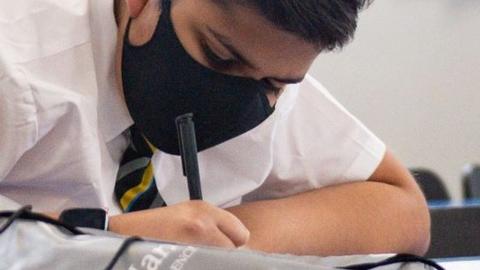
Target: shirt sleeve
{"type": "Point", "coordinates": [318, 143]}
{"type": "Point", "coordinates": [18, 122]}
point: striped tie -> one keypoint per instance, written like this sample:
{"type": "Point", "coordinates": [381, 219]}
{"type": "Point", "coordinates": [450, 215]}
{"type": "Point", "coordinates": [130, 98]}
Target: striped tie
{"type": "Point", "coordinates": [135, 188]}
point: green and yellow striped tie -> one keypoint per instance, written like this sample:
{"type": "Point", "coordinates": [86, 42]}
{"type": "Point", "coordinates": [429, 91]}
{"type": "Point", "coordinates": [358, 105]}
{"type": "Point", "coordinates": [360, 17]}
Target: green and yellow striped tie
{"type": "Point", "coordinates": [135, 188]}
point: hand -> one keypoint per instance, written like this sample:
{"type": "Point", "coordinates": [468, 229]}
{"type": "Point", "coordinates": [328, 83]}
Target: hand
{"type": "Point", "coordinates": [192, 222]}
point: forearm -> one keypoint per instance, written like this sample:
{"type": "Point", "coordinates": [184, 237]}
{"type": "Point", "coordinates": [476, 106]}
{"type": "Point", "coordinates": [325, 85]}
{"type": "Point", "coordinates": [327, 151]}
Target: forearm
{"type": "Point", "coordinates": [357, 218]}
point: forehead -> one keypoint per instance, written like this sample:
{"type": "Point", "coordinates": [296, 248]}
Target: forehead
{"type": "Point", "coordinates": [255, 36]}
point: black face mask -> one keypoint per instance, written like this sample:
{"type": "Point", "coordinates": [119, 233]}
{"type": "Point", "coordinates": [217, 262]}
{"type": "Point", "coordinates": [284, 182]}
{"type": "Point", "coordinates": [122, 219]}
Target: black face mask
{"type": "Point", "coordinates": [162, 81]}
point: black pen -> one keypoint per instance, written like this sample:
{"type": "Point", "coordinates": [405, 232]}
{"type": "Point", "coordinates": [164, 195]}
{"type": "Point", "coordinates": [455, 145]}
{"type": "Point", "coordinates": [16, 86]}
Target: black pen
{"type": "Point", "coordinates": [188, 151]}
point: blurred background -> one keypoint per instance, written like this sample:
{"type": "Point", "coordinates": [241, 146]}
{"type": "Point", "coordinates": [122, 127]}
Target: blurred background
{"type": "Point", "coordinates": [413, 77]}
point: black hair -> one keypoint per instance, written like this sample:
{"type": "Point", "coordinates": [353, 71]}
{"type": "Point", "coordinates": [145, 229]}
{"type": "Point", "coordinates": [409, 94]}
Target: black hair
{"type": "Point", "coordinates": [328, 24]}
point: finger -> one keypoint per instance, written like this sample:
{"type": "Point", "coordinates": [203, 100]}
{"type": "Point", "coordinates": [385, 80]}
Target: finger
{"type": "Point", "coordinates": [233, 228]}
{"type": "Point", "coordinates": [219, 239]}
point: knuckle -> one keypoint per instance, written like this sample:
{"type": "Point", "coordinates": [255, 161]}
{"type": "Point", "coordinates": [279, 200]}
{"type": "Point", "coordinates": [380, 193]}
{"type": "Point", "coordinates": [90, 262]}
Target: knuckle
{"type": "Point", "coordinates": [196, 227]}
{"type": "Point", "coordinates": [245, 240]}
{"type": "Point", "coordinates": [244, 235]}
{"type": "Point", "coordinates": [201, 205]}
{"type": "Point", "coordinates": [196, 206]}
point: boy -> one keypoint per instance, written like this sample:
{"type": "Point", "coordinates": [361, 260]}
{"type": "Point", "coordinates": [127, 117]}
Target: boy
{"type": "Point", "coordinates": [281, 165]}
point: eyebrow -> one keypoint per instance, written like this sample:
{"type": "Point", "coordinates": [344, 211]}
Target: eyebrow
{"type": "Point", "coordinates": [226, 42]}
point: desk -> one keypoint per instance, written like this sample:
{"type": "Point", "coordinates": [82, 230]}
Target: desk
{"type": "Point", "coordinates": [462, 263]}
{"type": "Point", "coordinates": [455, 229]}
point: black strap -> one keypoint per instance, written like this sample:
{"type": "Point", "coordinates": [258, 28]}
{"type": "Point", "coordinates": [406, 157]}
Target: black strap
{"type": "Point", "coordinates": [26, 214]}
{"type": "Point", "coordinates": [123, 248]}
{"type": "Point", "coordinates": [13, 216]}
{"type": "Point", "coordinates": [400, 258]}
{"type": "Point", "coordinates": [166, 5]}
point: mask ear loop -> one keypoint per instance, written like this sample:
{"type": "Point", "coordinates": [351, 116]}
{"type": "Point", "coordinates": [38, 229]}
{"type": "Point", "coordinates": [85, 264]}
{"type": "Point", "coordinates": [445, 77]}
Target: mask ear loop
{"type": "Point", "coordinates": [166, 5]}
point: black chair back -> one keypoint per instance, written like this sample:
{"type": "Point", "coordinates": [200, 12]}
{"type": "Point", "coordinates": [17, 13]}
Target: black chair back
{"type": "Point", "coordinates": [471, 182]}
{"type": "Point", "coordinates": [431, 184]}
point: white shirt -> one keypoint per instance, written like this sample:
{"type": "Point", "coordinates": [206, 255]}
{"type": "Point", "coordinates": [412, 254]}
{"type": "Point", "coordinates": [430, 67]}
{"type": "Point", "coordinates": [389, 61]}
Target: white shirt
{"type": "Point", "coordinates": [62, 120]}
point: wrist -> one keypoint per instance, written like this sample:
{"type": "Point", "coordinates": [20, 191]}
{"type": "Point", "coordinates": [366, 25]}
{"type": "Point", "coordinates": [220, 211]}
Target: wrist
{"type": "Point", "coordinates": [121, 224]}
{"type": "Point", "coordinates": [113, 224]}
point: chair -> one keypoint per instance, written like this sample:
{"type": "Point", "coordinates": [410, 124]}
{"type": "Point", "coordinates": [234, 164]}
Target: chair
{"type": "Point", "coordinates": [471, 181]}
{"type": "Point", "coordinates": [455, 231]}
{"type": "Point", "coordinates": [431, 184]}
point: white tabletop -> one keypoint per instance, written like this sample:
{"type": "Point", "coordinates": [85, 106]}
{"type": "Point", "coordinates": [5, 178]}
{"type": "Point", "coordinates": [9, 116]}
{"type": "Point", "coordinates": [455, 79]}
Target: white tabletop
{"type": "Point", "coordinates": [468, 263]}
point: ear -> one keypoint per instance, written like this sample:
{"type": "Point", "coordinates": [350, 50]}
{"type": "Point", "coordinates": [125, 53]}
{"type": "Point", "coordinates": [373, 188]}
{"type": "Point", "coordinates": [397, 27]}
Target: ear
{"type": "Point", "coordinates": [135, 7]}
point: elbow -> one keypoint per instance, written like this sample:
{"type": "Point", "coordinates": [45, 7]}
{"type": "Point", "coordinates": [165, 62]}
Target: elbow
{"type": "Point", "coordinates": [421, 243]}
{"type": "Point", "coordinates": [420, 227]}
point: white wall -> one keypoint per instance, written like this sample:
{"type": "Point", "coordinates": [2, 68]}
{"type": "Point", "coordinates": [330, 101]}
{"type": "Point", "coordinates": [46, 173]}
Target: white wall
{"type": "Point", "coordinates": [413, 76]}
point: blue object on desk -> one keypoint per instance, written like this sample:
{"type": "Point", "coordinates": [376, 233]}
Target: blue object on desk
{"type": "Point", "coordinates": [437, 204]}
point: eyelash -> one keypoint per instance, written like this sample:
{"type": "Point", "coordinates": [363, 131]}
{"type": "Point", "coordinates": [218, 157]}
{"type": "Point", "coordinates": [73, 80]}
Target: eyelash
{"type": "Point", "coordinates": [221, 64]}
{"type": "Point", "coordinates": [216, 61]}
